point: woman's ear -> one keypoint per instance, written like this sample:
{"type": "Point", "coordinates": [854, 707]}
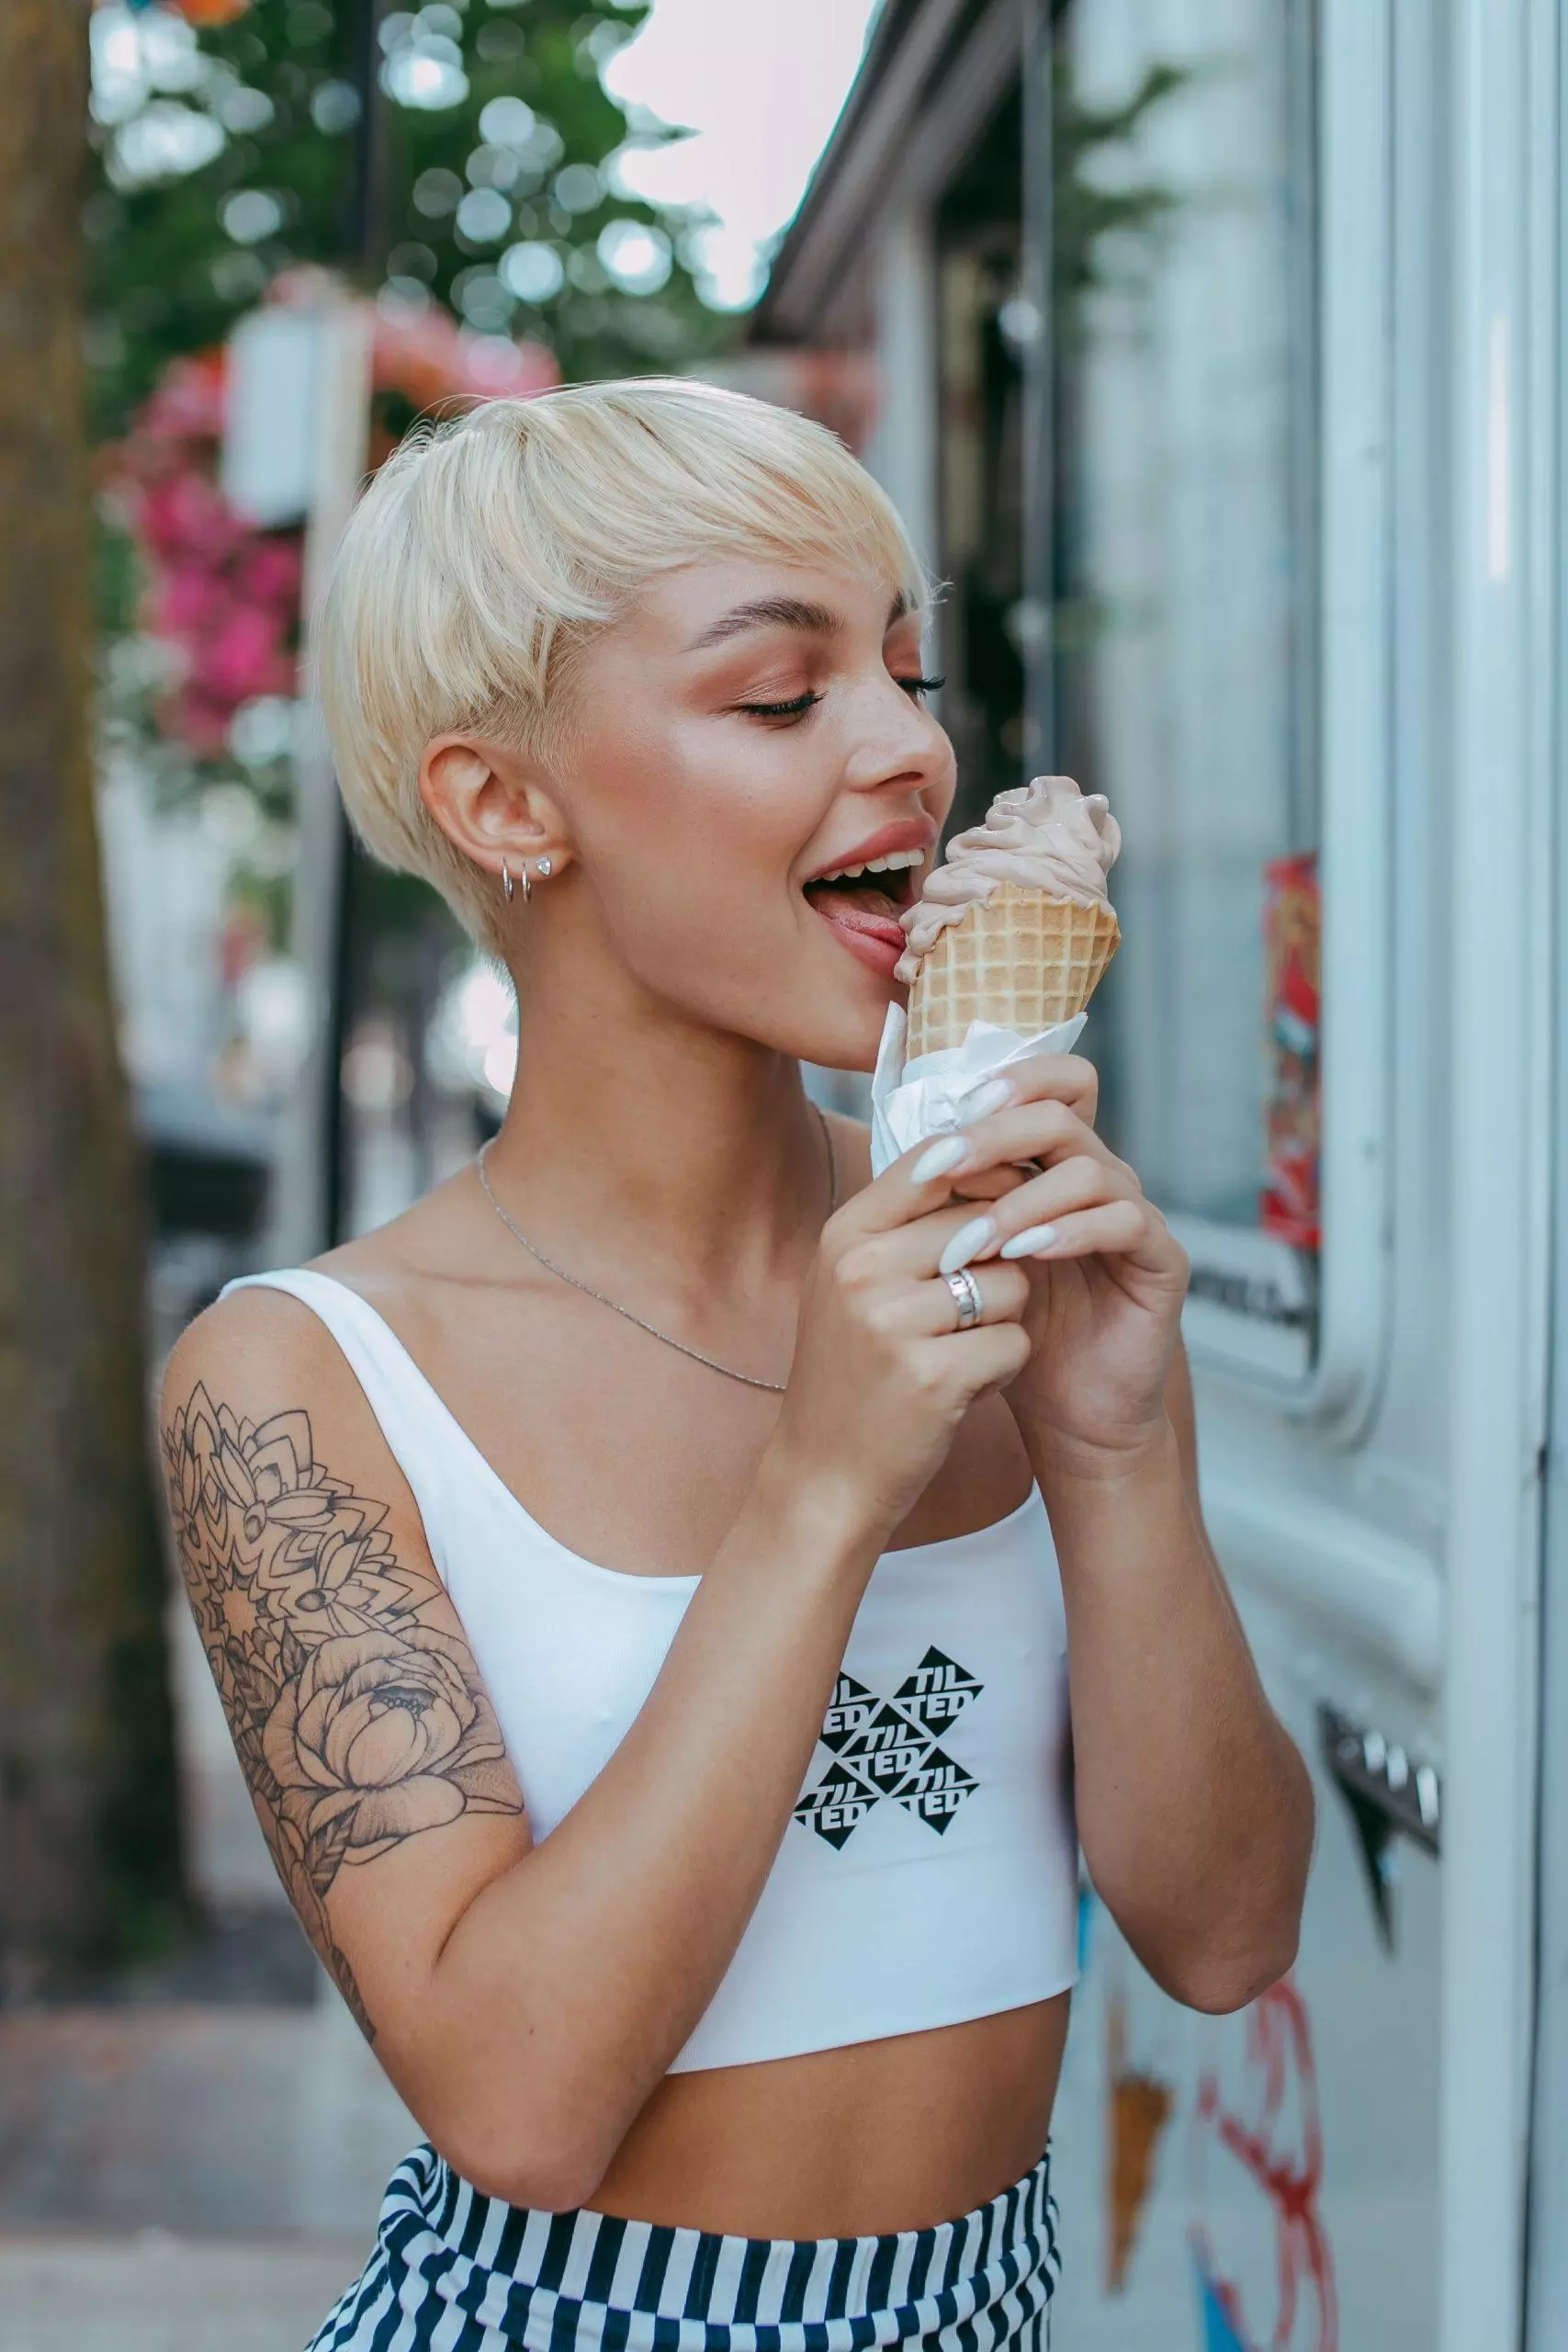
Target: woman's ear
{"type": "Point", "coordinates": [491, 804]}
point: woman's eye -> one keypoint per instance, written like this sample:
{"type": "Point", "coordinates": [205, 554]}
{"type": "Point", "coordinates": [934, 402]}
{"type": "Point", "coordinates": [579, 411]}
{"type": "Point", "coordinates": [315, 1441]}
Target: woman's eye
{"type": "Point", "coordinates": [797, 708]}
{"type": "Point", "coordinates": [914, 687]}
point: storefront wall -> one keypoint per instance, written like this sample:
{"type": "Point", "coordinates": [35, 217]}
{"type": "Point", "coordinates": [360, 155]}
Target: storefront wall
{"type": "Point", "coordinates": [1218, 369]}
{"type": "Point", "coordinates": [1224, 513]}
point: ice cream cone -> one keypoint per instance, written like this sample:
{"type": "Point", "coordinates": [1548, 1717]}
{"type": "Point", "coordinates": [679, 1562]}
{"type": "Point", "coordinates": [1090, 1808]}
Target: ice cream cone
{"type": "Point", "coordinates": [1019, 957]}
{"type": "Point", "coordinates": [1140, 2110]}
{"type": "Point", "coordinates": [1139, 2107]}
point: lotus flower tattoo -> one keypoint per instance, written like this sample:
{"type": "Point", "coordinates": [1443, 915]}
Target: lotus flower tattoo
{"type": "Point", "coordinates": [358, 1723]}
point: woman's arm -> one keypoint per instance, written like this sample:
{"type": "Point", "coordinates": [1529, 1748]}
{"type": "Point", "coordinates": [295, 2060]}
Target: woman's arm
{"type": "Point", "coordinates": [526, 2000]}
{"type": "Point", "coordinates": [1194, 1809]}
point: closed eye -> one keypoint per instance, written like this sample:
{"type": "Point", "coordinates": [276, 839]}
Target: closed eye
{"type": "Point", "coordinates": [797, 709]}
{"type": "Point", "coordinates": [801, 704]}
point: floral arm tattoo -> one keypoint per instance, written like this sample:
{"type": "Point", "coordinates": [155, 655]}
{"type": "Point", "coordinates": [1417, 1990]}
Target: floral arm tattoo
{"type": "Point", "coordinates": [358, 1722]}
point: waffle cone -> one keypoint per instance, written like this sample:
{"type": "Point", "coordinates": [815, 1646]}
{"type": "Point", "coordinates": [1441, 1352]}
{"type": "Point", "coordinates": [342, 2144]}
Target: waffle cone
{"type": "Point", "coordinates": [1020, 958]}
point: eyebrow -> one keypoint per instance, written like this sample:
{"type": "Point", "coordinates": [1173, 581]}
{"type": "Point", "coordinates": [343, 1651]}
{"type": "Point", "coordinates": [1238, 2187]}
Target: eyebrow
{"type": "Point", "coordinates": [783, 611]}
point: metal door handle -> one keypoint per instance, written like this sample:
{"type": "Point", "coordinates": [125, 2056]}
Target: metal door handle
{"type": "Point", "coordinates": [1388, 1796]}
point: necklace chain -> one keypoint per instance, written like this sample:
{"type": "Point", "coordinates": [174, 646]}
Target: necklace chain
{"type": "Point", "coordinates": [747, 1379]}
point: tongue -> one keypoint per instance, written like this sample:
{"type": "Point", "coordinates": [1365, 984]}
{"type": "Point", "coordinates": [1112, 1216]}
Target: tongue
{"type": "Point", "coordinates": [870, 912]}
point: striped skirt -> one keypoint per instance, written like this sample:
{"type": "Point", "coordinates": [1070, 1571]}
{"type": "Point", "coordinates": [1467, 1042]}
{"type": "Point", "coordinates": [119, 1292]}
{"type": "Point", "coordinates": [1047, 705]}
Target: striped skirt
{"type": "Point", "coordinates": [455, 2271]}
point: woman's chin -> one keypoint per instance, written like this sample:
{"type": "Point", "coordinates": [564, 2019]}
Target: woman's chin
{"type": "Point", "coordinates": [828, 1008]}
{"type": "Point", "coordinates": [847, 1034]}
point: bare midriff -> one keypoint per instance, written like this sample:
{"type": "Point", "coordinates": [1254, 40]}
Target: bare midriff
{"type": "Point", "coordinates": [884, 2135]}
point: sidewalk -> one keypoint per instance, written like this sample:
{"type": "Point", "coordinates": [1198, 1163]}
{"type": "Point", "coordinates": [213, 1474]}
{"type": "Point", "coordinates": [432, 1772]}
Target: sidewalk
{"type": "Point", "coordinates": [156, 2292]}
{"type": "Point", "coordinates": [201, 2174]}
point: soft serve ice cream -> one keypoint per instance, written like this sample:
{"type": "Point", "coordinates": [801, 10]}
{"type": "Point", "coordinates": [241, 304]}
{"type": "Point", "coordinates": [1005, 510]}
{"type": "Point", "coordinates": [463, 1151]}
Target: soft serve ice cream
{"type": "Point", "coordinates": [1045, 836]}
{"type": "Point", "coordinates": [1015, 928]}
{"type": "Point", "coordinates": [1004, 947]}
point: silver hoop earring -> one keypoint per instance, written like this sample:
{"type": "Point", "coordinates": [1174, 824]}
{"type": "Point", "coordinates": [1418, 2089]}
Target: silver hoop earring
{"type": "Point", "coordinates": [546, 869]}
{"type": "Point", "coordinates": [506, 881]}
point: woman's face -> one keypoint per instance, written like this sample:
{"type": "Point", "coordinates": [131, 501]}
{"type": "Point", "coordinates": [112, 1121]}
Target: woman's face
{"type": "Point", "coordinates": [750, 731]}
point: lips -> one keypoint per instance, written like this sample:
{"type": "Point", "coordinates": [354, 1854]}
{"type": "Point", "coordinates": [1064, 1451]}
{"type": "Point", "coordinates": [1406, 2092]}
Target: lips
{"type": "Point", "coordinates": [860, 893]}
{"type": "Point", "coordinates": [906, 841]}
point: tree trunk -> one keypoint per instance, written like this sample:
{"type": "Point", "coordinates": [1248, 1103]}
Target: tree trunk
{"type": "Point", "coordinates": [89, 1848]}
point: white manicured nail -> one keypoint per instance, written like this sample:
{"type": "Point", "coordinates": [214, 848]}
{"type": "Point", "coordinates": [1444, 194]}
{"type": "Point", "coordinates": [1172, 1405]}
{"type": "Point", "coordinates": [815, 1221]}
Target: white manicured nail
{"type": "Point", "coordinates": [940, 1159]}
{"type": "Point", "coordinates": [1025, 1244]}
{"type": "Point", "coordinates": [965, 1242]}
{"type": "Point", "coordinates": [987, 1098]}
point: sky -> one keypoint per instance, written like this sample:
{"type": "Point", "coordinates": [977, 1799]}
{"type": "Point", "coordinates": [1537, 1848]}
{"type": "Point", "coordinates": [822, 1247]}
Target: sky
{"type": "Point", "coordinates": [760, 83]}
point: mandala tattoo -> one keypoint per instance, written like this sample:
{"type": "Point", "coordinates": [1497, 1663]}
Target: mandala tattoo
{"type": "Point", "coordinates": [357, 1723]}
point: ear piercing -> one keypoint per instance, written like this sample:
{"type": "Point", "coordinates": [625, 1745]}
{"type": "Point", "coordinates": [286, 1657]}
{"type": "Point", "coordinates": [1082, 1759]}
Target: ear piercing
{"type": "Point", "coordinates": [508, 887]}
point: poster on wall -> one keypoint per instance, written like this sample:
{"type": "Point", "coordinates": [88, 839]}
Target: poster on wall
{"type": "Point", "coordinates": [1252, 1297]}
{"type": "Point", "coordinates": [1293, 932]}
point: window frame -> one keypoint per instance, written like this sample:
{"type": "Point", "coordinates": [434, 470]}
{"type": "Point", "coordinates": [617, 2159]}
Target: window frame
{"type": "Point", "coordinates": [1350, 49]}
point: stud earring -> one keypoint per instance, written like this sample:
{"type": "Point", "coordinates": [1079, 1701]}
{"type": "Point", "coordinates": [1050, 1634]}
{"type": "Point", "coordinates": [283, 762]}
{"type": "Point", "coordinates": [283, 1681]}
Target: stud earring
{"type": "Point", "coordinates": [546, 869]}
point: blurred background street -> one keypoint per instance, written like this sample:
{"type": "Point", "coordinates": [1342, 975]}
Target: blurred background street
{"type": "Point", "coordinates": [1212, 350]}
{"type": "Point", "coordinates": [277, 234]}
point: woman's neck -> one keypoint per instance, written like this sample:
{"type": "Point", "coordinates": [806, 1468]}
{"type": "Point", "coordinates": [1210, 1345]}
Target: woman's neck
{"type": "Point", "coordinates": [626, 1136]}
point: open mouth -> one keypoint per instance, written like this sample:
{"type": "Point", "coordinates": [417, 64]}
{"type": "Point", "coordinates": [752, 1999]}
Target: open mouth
{"type": "Point", "coordinates": [863, 904]}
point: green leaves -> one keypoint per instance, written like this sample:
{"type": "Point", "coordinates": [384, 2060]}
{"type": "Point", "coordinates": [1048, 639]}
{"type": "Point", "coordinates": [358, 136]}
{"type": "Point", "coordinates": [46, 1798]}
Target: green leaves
{"type": "Point", "coordinates": [471, 172]}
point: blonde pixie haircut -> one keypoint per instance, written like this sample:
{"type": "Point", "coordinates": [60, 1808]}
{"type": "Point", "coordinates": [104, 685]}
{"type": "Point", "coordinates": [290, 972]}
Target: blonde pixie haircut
{"type": "Point", "coordinates": [488, 547]}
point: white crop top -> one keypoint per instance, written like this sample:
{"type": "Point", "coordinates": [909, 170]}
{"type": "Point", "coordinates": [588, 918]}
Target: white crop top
{"type": "Point", "coordinates": [930, 1872]}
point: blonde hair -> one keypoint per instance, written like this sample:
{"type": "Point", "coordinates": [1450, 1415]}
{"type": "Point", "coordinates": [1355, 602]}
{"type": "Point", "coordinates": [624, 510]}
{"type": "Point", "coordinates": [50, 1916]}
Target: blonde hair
{"type": "Point", "coordinates": [489, 547]}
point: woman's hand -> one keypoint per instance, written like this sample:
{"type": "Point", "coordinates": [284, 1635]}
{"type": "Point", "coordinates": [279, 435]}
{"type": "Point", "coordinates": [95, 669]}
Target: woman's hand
{"type": "Point", "coordinates": [1106, 1278]}
{"type": "Point", "coordinates": [883, 1376]}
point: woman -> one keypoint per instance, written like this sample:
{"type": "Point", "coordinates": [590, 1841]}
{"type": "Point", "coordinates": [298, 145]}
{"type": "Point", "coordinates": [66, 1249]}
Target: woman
{"type": "Point", "coordinates": [636, 1599]}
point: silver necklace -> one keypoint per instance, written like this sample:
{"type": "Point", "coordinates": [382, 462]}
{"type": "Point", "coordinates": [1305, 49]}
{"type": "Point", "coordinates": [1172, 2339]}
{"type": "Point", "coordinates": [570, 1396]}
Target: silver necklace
{"type": "Point", "coordinates": [747, 1380]}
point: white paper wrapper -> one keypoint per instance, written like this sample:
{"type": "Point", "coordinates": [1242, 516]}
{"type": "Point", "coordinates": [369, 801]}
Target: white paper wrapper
{"type": "Point", "coordinates": [927, 1097]}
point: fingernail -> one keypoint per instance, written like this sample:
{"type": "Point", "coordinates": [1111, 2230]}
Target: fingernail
{"type": "Point", "coordinates": [968, 1239]}
{"type": "Point", "coordinates": [987, 1098]}
{"type": "Point", "coordinates": [940, 1159]}
{"type": "Point", "coordinates": [1025, 1244]}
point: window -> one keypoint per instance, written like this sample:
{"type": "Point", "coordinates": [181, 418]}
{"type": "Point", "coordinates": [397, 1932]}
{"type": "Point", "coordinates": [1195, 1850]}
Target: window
{"type": "Point", "coordinates": [983, 462]}
{"type": "Point", "coordinates": [1174, 571]}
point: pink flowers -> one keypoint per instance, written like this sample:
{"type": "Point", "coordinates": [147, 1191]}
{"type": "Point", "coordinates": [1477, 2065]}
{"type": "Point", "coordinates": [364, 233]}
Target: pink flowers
{"type": "Point", "coordinates": [225, 595]}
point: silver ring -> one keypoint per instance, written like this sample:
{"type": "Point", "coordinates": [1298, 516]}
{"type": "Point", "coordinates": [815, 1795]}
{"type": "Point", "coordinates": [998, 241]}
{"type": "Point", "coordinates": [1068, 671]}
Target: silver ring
{"type": "Point", "coordinates": [966, 1297]}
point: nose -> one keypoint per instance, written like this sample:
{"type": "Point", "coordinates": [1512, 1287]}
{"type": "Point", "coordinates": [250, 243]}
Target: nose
{"type": "Point", "coordinates": [897, 742]}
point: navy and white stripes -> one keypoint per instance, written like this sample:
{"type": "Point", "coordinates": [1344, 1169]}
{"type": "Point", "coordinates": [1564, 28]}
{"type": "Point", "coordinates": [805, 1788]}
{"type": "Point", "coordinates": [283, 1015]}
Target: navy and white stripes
{"type": "Point", "coordinates": [455, 2271]}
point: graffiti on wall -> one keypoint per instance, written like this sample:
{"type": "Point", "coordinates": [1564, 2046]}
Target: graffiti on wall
{"type": "Point", "coordinates": [1258, 2133]}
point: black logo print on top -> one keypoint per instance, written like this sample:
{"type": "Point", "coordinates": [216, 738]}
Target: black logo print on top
{"type": "Point", "coordinates": [889, 1747]}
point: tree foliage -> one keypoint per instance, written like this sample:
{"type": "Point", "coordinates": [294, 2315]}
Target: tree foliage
{"type": "Point", "coordinates": [227, 152]}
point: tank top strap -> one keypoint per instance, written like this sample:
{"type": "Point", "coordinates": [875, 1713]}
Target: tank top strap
{"type": "Point", "coordinates": [428, 1446]}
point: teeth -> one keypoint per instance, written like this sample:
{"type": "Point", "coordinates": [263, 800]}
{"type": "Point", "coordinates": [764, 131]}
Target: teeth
{"type": "Point", "coordinates": [894, 863]}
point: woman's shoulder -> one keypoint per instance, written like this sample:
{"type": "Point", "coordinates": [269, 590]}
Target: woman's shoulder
{"type": "Point", "coordinates": [266, 1338]}
{"type": "Point", "coordinates": [260, 1404]}
{"type": "Point", "coordinates": [257, 1394]}
{"type": "Point", "coordinates": [243, 1342]}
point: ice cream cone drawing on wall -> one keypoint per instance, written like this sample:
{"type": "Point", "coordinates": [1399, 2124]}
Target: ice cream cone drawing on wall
{"type": "Point", "coordinates": [1015, 926]}
{"type": "Point", "coordinates": [1138, 2109]}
